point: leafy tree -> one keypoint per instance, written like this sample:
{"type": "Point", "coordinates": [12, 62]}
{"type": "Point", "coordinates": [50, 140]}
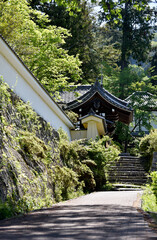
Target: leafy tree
{"type": "Point", "coordinates": [153, 60]}
{"type": "Point", "coordinates": [142, 99]}
{"type": "Point", "coordinates": [39, 46]}
{"type": "Point", "coordinates": [81, 26]}
{"type": "Point", "coordinates": [134, 19]}
{"type": "Point", "coordinates": [107, 42]}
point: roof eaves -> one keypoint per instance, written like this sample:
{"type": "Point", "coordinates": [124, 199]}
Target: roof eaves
{"type": "Point", "coordinates": [78, 102]}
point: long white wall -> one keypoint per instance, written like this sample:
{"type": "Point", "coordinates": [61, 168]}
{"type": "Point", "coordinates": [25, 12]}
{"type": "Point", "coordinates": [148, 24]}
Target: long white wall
{"type": "Point", "coordinates": [28, 89]}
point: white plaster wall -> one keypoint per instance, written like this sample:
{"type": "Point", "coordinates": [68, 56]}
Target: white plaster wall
{"type": "Point", "coordinates": [78, 134]}
{"type": "Point", "coordinates": [41, 103]}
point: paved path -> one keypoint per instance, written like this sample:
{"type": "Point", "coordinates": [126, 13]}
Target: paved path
{"type": "Point", "coordinates": [99, 216]}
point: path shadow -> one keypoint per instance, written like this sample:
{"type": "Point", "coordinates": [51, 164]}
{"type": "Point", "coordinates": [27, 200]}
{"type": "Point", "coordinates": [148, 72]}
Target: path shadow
{"type": "Point", "coordinates": [78, 222]}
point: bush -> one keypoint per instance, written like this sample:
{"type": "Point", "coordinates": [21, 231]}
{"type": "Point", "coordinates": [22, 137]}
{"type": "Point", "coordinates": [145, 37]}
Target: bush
{"type": "Point", "coordinates": [149, 200]}
{"type": "Point", "coordinates": [154, 183]}
{"type": "Point", "coordinates": [30, 161]}
{"type": "Point", "coordinates": [148, 145]}
{"type": "Point", "coordinates": [75, 156]}
{"type": "Point", "coordinates": [90, 160]}
{"type": "Point", "coordinates": [66, 184]}
{"type": "Point", "coordinates": [104, 157]}
{"type": "Point", "coordinates": [150, 195]}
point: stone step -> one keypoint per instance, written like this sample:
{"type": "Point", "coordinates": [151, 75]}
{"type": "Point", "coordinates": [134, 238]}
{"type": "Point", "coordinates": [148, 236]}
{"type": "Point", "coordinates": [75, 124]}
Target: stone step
{"type": "Point", "coordinates": [126, 187]}
{"type": "Point", "coordinates": [131, 181]}
{"type": "Point", "coordinates": [128, 157]}
{"type": "Point", "coordinates": [123, 178]}
{"type": "Point", "coordinates": [121, 185]}
{"type": "Point", "coordinates": [124, 169]}
{"type": "Point", "coordinates": [128, 163]}
{"type": "Point", "coordinates": [130, 160]}
{"type": "Point", "coordinates": [128, 175]}
{"type": "Point", "coordinates": [128, 170]}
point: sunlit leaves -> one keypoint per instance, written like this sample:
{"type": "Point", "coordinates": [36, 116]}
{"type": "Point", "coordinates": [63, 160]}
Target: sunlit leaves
{"type": "Point", "coordinates": [40, 47]}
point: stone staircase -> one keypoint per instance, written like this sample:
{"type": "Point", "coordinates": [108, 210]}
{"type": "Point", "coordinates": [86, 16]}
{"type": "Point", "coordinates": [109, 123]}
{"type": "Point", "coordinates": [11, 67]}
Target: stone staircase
{"type": "Point", "coordinates": [128, 170]}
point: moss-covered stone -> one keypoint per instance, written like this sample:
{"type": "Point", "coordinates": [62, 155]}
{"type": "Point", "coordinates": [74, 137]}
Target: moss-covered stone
{"type": "Point", "coordinates": [38, 165]}
{"type": "Point", "coordinates": [32, 174]}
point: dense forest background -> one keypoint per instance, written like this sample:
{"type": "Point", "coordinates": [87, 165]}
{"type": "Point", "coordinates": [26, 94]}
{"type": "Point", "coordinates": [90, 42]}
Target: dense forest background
{"type": "Point", "coordinates": [72, 42]}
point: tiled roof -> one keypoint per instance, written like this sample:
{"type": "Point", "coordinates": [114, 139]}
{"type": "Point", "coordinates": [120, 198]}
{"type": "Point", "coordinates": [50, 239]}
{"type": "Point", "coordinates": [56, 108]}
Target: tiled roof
{"type": "Point", "coordinates": [77, 91]}
{"type": "Point", "coordinates": [83, 93]}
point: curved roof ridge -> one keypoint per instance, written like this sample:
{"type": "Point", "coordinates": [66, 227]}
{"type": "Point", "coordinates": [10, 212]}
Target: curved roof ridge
{"type": "Point", "coordinates": [96, 87]}
{"type": "Point", "coordinates": [109, 94]}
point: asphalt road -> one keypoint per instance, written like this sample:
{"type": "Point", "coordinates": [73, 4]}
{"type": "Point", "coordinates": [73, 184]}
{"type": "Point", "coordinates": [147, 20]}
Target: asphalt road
{"type": "Point", "coordinates": [100, 215]}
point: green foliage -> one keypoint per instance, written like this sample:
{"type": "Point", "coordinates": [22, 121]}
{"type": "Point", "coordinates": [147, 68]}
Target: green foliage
{"type": "Point", "coordinates": [107, 47]}
{"type": "Point", "coordinates": [72, 116]}
{"type": "Point", "coordinates": [149, 200]}
{"type": "Point", "coordinates": [80, 24]}
{"type": "Point", "coordinates": [30, 160]}
{"type": "Point", "coordinates": [150, 195]}
{"type": "Point", "coordinates": [154, 183]}
{"type": "Point", "coordinates": [103, 156]}
{"type": "Point", "coordinates": [39, 170]}
{"type": "Point", "coordinates": [129, 80]}
{"type": "Point", "coordinates": [74, 155]}
{"type": "Point", "coordinates": [63, 135]}
{"type": "Point", "coordinates": [148, 145]}
{"type": "Point", "coordinates": [6, 209]}
{"type": "Point", "coordinates": [133, 18]}
{"type": "Point", "coordinates": [5, 95]}
{"type": "Point", "coordinates": [134, 147]}
{"type": "Point", "coordinates": [66, 184]}
{"type": "Point", "coordinates": [134, 81]}
{"type": "Point", "coordinates": [32, 145]}
{"type": "Point", "coordinates": [121, 134]}
{"type": "Point", "coordinates": [40, 47]}
{"type": "Point", "coordinates": [90, 160]}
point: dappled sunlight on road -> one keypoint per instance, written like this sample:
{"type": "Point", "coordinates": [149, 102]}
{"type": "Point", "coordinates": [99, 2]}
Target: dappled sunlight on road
{"type": "Point", "coordinates": [70, 221]}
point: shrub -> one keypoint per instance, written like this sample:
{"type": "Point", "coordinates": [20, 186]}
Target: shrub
{"type": "Point", "coordinates": [74, 156]}
{"type": "Point", "coordinates": [150, 195]}
{"type": "Point", "coordinates": [148, 145]}
{"type": "Point", "coordinates": [30, 161]}
{"type": "Point", "coordinates": [89, 159]}
{"type": "Point", "coordinates": [149, 200]}
{"type": "Point", "coordinates": [66, 184]}
{"type": "Point", "coordinates": [154, 183]}
{"type": "Point", "coordinates": [103, 157]}
{"type": "Point", "coordinates": [72, 116]}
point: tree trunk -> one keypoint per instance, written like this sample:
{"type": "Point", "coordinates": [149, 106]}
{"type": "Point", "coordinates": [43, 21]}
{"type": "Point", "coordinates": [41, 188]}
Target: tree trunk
{"type": "Point", "coordinates": [124, 47]}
